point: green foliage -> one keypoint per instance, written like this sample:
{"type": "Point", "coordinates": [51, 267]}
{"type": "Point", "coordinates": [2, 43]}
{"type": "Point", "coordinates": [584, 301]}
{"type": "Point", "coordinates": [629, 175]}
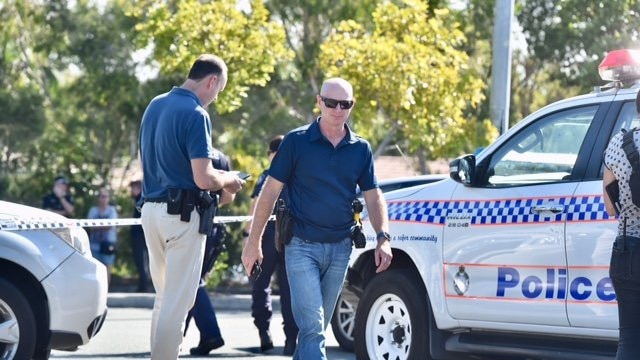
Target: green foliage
{"type": "Point", "coordinates": [476, 21]}
{"type": "Point", "coordinates": [411, 70]}
{"type": "Point", "coordinates": [249, 43]}
{"type": "Point", "coordinates": [569, 38]}
{"type": "Point", "coordinates": [22, 96]}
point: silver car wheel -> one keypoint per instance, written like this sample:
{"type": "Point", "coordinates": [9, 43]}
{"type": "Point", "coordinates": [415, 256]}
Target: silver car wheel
{"type": "Point", "coordinates": [9, 331]}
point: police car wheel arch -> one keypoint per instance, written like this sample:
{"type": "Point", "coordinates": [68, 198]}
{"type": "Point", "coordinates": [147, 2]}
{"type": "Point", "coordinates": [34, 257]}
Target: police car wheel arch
{"type": "Point", "coordinates": [391, 319]}
{"type": "Point", "coordinates": [17, 323]}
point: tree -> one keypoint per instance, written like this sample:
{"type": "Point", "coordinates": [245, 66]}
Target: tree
{"type": "Point", "coordinates": [307, 25]}
{"type": "Point", "coordinates": [568, 39]}
{"type": "Point", "coordinates": [411, 71]}
{"type": "Point", "coordinates": [250, 44]}
{"type": "Point", "coordinates": [22, 95]}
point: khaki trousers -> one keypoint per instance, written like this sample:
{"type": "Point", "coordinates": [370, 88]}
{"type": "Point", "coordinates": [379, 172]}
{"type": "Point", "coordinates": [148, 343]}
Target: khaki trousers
{"type": "Point", "coordinates": [176, 250]}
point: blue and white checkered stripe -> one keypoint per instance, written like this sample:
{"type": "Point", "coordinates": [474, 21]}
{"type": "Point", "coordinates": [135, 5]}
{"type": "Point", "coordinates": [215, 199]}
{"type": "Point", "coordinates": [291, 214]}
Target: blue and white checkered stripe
{"type": "Point", "coordinates": [499, 212]}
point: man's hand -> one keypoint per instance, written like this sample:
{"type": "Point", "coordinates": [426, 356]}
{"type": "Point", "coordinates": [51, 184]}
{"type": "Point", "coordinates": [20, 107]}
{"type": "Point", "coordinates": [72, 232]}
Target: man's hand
{"type": "Point", "coordinates": [251, 253]}
{"type": "Point", "coordinates": [383, 255]}
{"type": "Point", "coordinates": [235, 184]}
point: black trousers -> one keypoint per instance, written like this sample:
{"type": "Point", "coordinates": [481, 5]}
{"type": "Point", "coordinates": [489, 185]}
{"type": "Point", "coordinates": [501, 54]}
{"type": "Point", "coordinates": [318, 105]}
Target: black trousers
{"type": "Point", "coordinates": [141, 259]}
{"type": "Point", "coordinates": [261, 308]}
{"type": "Point", "coordinates": [628, 296]}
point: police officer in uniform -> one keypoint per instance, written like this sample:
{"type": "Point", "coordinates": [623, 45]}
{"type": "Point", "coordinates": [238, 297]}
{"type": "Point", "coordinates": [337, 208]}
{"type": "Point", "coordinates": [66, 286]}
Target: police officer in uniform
{"type": "Point", "coordinates": [176, 153]}
{"type": "Point", "coordinates": [273, 261]}
{"type": "Point", "coordinates": [203, 312]}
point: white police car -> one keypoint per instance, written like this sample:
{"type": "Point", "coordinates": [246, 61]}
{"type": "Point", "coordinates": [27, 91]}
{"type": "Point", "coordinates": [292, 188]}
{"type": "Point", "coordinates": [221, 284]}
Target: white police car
{"type": "Point", "coordinates": [53, 294]}
{"type": "Point", "coordinates": [510, 255]}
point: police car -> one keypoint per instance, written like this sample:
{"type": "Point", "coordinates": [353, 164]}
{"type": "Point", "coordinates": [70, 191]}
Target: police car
{"type": "Point", "coordinates": [510, 255]}
{"type": "Point", "coordinates": [53, 294]}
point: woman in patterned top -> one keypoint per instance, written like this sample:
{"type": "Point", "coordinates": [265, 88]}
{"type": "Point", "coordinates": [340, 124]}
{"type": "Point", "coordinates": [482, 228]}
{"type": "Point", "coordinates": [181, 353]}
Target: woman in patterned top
{"type": "Point", "coordinates": [625, 259]}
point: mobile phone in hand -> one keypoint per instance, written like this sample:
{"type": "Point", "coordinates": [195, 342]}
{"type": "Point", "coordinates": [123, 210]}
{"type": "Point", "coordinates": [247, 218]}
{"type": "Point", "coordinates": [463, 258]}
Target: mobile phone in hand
{"type": "Point", "coordinates": [255, 271]}
{"type": "Point", "coordinates": [243, 175]}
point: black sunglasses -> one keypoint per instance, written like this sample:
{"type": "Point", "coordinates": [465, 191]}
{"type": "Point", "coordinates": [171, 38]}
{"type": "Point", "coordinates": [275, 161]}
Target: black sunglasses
{"type": "Point", "coordinates": [332, 103]}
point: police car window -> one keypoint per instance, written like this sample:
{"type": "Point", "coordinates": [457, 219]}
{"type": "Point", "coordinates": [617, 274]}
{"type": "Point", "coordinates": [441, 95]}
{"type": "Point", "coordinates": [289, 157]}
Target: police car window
{"type": "Point", "coordinates": [545, 151]}
{"type": "Point", "coordinates": [628, 119]}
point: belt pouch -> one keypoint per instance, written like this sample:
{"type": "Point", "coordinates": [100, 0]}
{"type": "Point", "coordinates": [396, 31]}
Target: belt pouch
{"type": "Point", "coordinates": [174, 201]}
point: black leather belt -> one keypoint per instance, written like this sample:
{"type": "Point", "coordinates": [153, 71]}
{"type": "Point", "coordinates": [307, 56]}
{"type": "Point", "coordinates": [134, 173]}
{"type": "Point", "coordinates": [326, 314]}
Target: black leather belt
{"type": "Point", "coordinates": [156, 200]}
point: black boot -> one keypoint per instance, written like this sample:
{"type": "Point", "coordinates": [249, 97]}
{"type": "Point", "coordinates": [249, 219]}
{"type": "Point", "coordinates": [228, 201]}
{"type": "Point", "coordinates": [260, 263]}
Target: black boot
{"type": "Point", "coordinates": [289, 347]}
{"type": "Point", "coordinates": [266, 343]}
{"type": "Point", "coordinates": [204, 347]}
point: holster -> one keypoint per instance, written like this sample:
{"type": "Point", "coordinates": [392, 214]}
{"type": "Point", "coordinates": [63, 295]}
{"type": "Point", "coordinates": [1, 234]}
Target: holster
{"type": "Point", "coordinates": [207, 206]}
{"type": "Point", "coordinates": [284, 225]}
{"type": "Point", "coordinates": [182, 202]}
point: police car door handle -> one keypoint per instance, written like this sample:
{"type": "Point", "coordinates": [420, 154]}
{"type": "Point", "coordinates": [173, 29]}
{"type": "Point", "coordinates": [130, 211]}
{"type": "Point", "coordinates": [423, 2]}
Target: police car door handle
{"type": "Point", "coordinates": [556, 209]}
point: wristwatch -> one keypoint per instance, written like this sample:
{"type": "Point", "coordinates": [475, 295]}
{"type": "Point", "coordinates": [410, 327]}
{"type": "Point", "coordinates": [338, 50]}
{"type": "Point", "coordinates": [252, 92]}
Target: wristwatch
{"type": "Point", "coordinates": [383, 234]}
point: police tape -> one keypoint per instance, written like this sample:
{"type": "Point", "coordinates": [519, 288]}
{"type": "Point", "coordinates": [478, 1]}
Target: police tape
{"type": "Point", "coordinates": [35, 224]}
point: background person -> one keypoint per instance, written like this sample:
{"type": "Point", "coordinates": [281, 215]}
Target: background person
{"type": "Point", "coordinates": [59, 200]}
{"type": "Point", "coordinates": [618, 167]}
{"type": "Point", "coordinates": [176, 152]}
{"type": "Point", "coordinates": [321, 165]}
{"type": "Point", "coordinates": [273, 261]}
{"type": "Point", "coordinates": [202, 311]}
{"type": "Point", "coordinates": [139, 250]}
{"type": "Point", "coordinates": [103, 238]}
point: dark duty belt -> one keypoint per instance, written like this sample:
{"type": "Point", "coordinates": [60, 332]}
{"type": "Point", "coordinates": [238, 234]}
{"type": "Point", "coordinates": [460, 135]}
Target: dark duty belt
{"type": "Point", "coordinates": [156, 200]}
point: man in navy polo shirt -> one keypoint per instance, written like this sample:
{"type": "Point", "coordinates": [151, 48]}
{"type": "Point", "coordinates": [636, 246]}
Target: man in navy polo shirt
{"type": "Point", "coordinates": [176, 153]}
{"type": "Point", "coordinates": [321, 165]}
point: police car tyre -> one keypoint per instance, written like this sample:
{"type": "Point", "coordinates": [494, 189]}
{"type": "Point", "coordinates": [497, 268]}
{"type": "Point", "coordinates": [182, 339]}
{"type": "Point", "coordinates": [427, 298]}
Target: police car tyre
{"type": "Point", "coordinates": [17, 324]}
{"type": "Point", "coordinates": [391, 319]}
{"type": "Point", "coordinates": [344, 319]}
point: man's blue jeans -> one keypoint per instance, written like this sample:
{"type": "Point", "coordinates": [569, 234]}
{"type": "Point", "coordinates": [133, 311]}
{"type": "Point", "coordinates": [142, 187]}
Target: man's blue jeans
{"type": "Point", "coordinates": [316, 272]}
{"type": "Point", "coordinates": [261, 310]}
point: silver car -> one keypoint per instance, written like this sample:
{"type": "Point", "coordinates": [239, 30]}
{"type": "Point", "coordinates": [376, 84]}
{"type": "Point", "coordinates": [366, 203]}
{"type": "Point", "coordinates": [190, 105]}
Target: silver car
{"type": "Point", "coordinates": [53, 294]}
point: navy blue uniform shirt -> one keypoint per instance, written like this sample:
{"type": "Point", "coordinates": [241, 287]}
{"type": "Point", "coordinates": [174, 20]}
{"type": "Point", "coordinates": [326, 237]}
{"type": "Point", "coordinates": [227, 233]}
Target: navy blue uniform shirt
{"type": "Point", "coordinates": [320, 180]}
{"type": "Point", "coordinates": [52, 202]}
{"type": "Point", "coordinates": [175, 129]}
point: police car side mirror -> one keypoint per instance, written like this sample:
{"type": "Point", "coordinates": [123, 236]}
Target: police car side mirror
{"type": "Point", "coordinates": [462, 169]}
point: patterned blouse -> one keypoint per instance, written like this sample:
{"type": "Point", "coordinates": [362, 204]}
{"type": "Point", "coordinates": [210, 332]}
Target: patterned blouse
{"type": "Point", "coordinates": [616, 160]}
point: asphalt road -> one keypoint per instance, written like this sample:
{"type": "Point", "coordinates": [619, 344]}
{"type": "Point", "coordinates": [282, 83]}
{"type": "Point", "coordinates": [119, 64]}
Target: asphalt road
{"type": "Point", "coordinates": [125, 333]}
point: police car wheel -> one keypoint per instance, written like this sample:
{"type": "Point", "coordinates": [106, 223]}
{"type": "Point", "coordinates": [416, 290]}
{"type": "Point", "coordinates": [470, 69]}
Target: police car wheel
{"type": "Point", "coordinates": [391, 319]}
{"type": "Point", "coordinates": [344, 319]}
{"type": "Point", "coordinates": [17, 324]}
